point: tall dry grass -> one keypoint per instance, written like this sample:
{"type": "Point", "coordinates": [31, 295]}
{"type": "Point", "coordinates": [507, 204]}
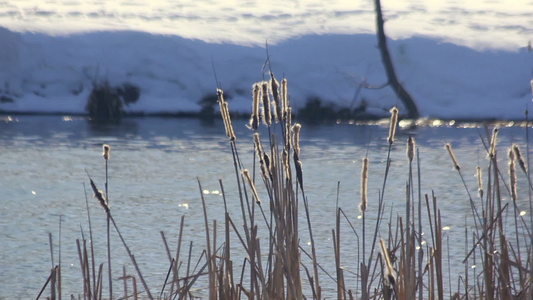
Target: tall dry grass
{"type": "Point", "coordinates": [273, 202]}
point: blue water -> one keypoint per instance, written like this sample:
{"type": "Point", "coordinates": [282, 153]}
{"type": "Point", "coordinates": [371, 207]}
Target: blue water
{"type": "Point", "coordinates": [153, 171]}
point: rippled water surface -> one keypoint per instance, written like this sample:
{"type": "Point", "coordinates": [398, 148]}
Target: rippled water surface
{"type": "Point", "coordinates": [153, 174]}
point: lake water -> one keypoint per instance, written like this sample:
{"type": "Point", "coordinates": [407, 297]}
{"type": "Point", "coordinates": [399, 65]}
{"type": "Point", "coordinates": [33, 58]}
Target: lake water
{"type": "Point", "coordinates": [153, 173]}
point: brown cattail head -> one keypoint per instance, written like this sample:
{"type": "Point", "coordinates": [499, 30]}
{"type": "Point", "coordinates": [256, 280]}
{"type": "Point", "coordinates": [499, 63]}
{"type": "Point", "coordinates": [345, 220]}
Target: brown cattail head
{"type": "Point", "coordinates": [257, 145]}
{"type": "Point", "coordinates": [273, 157]}
{"type": "Point", "coordinates": [99, 195]}
{"type": "Point", "coordinates": [479, 182]}
{"type": "Point", "coordinates": [511, 155]}
{"type": "Point", "coordinates": [299, 173]}
{"type": "Point", "coordinates": [284, 99]}
{"type": "Point", "coordinates": [388, 275]}
{"type": "Point", "coordinates": [267, 117]}
{"type": "Point", "coordinates": [286, 166]}
{"type": "Point", "coordinates": [261, 156]}
{"type": "Point", "coordinates": [296, 139]}
{"type": "Point", "coordinates": [288, 126]}
{"type": "Point", "coordinates": [231, 133]}
{"type": "Point", "coordinates": [274, 89]}
{"type": "Point", "coordinates": [393, 124]}
{"type": "Point", "coordinates": [254, 120]}
{"type": "Point", "coordinates": [410, 149]}
{"type": "Point", "coordinates": [512, 174]}
{"type": "Point", "coordinates": [452, 156]}
{"type": "Point", "coordinates": [364, 186]}
{"type": "Point", "coordinates": [224, 112]}
{"type": "Point", "coordinates": [519, 158]}
{"type": "Point", "coordinates": [492, 148]}
{"type": "Point", "coordinates": [106, 151]}
{"type": "Point", "coordinates": [246, 174]}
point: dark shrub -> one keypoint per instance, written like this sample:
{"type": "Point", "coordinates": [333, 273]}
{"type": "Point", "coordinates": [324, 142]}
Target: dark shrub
{"type": "Point", "coordinates": [129, 93]}
{"type": "Point", "coordinates": [104, 103]}
{"type": "Point", "coordinates": [6, 99]}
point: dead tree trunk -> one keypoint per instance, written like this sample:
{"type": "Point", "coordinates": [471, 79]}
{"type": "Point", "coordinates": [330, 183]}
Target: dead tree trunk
{"type": "Point", "coordinates": [405, 97]}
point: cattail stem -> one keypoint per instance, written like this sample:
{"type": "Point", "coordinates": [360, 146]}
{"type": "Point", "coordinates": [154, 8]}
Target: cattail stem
{"type": "Point", "coordinates": [107, 154]}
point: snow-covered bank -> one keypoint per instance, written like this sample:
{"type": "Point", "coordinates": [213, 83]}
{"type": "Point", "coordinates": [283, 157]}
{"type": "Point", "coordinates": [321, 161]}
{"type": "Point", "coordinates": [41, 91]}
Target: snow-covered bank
{"type": "Point", "coordinates": [42, 73]}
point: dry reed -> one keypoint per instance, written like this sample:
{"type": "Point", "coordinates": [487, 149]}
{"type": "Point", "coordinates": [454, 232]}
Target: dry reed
{"type": "Point", "coordinates": [408, 264]}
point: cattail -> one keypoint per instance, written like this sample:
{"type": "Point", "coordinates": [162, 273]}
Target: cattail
{"type": "Point", "coordinates": [479, 182]}
{"type": "Point", "coordinates": [106, 151]}
{"type": "Point", "coordinates": [224, 111]}
{"type": "Point", "coordinates": [260, 154]}
{"type": "Point", "coordinates": [231, 133]}
{"type": "Point", "coordinates": [273, 159]}
{"type": "Point", "coordinates": [454, 159]}
{"type": "Point", "coordinates": [267, 118]}
{"type": "Point", "coordinates": [266, 170]}
{"type": "Point", "coordinates": [99, 195]}
{"type": "Point", "coordinates": [411, 149]}
{"type": "Point", "coordinates": [299, 172]}
{"type": "Point", "coordinates": [246, 174]}
{"type": "Point", "coordinates": [274, 89]}
{"type": "Point", "coordinates": [520, 158]}
{"type": "Point", "coordinates": [288, 126]}
{"type": "Point", "coordinates": [393, 124]}
{"type": "Point", "coordinates": [492, 148]}
{"type": "Point", "coordinates": [285, 161]}
{"type": "Point", "coordinates": [257, 145]}
{"type": "Point", "coordinates": [220, 100]}
{"type": "Point", "coordinates": [364, 186]}
{"type": "Point", "coordinates": [296, 139]}
{"type": "Point", "coordinates": [389, 271]}
{"type": "Point", "coordinates": [284, 99]}
{"type": "Point", "coordinates": [512, 174]}
{"type": "Point", "coordinates": [254, 120]}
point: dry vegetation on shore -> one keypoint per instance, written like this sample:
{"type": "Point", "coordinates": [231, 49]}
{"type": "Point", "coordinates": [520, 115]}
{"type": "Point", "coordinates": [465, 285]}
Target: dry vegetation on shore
{"type": "Point", "coordinates": [394, 260]}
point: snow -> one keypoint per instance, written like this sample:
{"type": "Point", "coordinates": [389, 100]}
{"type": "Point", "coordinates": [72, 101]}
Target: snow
{"type": "Point", "coordinates": [458, 61]}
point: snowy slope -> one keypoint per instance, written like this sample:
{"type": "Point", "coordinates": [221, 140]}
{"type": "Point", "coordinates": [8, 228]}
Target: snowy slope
{"type": "Point", "coordinates": [43, 73]}
{"type": "Point", "coordinates": [458, 59]}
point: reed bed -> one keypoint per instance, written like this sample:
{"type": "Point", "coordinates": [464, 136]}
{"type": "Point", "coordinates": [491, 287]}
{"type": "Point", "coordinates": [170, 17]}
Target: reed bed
{"type": "Point", "coordinates": [402, 257]}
